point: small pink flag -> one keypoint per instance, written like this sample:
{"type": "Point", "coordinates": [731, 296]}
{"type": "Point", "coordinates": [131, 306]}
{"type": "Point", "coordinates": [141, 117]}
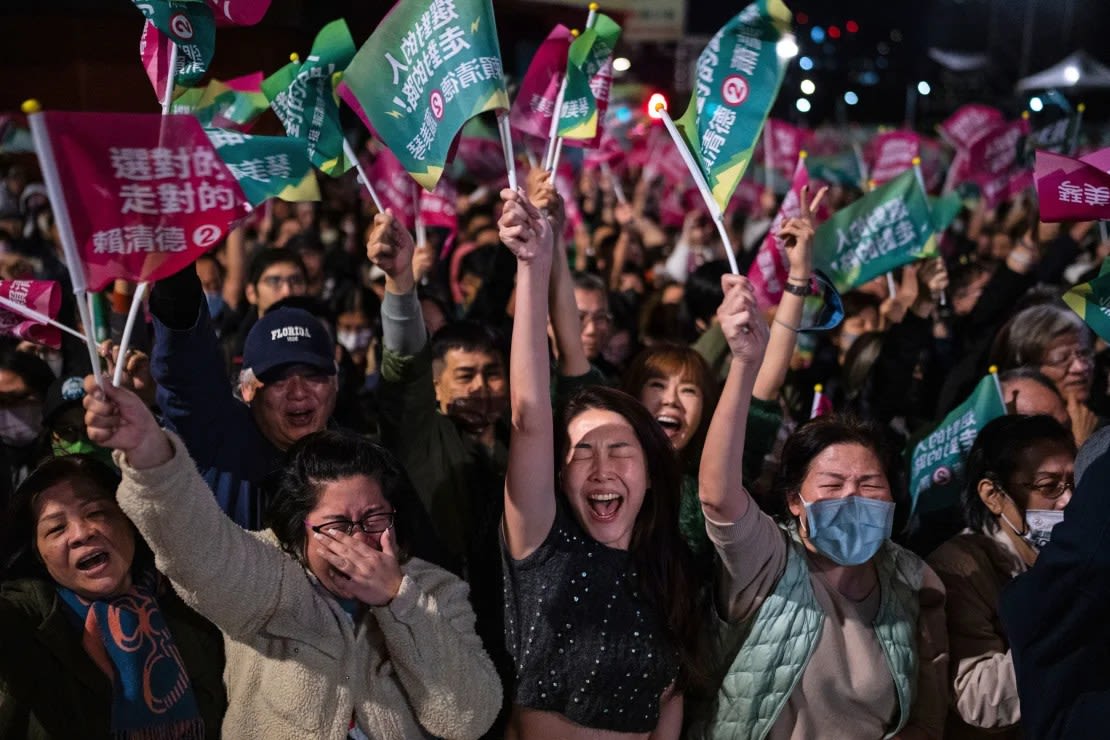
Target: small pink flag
{"type": "Point", "coordinates": [437, 208]}
{"type": "Point", "coordinates": [238, 12]}
{"type": "Point", "coordinates": [146, 194]}
{"type": "Point", "coordinates": [1071, 189]}
{"type": "Point", "coordinates": [891, 154]}
{"type": "Point", "coordinates": [534, 106]}
{"type": "Point", "coordinates": [787, 141]}
{"type": "Point", "coordinates": [394, 186]}
{"type": "Point", "coordinates": [822, 405]}
{"type": "Point", "coordinates": [968, 123]}
{"type": "Point", "coordinates": [41, 296]}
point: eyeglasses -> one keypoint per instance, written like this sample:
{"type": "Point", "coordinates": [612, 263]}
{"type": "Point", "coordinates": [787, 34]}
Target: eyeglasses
{"type": "Point", "coordinates": [600, 318]}
{"type": "Point", "coordinates": [276, 281]}
{"type": "Point", "coordinates": [1049, 488]}
{"type": "Point", "coordinates": [1062, 361]}
{"type": "Point", "coordinates": [371, 524]}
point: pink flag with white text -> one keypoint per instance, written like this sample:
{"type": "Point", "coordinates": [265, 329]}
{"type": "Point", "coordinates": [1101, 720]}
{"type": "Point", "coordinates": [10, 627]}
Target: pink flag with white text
{"type": "Point", "coordinates": [891, 154]}
{"type": "Point", "coordinates": [968, 123]}
{"type": "Point", "coordinates": [534, 106]}
{"type": "Point", "coordinates": [42, 296]}
{"type": "Point", "coordinates": [786, 141]}
{"type": "Point", "coordinates": [1070, 189]}
{"type": "Point", "coordinates": [394, 187]}
{"type": "Point", "coordinates": [437, 208]}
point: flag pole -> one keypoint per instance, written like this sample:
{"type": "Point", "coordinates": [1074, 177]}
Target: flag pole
{"type": "Point", "coordinates": [30, 313]}
{"type": "Point", "coordinates": [618, 189]}
{"type": "Point", "coordinates": [554, 141]}
{"type": "Point", "coordinates": [768, 162]}
{"type": "Point", "coordinates": [507, 146]}
{"type": "Point", "coordinates": [140, 290]}
{"type": "Point", "coordinates": [349, 153]}
{"type": "Point", "coordinates": [941, 297]}
{"type": "Point", "coordinates": [49, 166]}
{"type": "Point", "coordinates": [420, 228]}
{"type": "Point", "coordinates": [1074, 143]}
{"type": "Point", "coordinates": [993, 370]}
{"type": "Point", "coordinates": [699, 180]}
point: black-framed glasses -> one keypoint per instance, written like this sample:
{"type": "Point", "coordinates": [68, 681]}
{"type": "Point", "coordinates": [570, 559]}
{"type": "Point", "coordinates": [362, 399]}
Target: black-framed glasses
{"type": "Point", "coordinates": [274, 282]}
{"type": "Point", "coordinates": [370, 524]}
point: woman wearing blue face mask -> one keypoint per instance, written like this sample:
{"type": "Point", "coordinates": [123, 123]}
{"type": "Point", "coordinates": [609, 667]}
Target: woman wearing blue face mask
{"type": "Point", "coordinates": [1020, 476]}
{"type": "Point", "coordinates": [833, 631]}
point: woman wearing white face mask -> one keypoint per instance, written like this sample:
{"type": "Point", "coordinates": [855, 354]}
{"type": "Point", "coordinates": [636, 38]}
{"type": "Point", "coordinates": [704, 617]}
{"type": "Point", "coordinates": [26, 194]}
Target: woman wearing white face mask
{"type": "Point", "coordinates": [833, 630]}
{"type": "Point", "coordinates": [1019, 479]}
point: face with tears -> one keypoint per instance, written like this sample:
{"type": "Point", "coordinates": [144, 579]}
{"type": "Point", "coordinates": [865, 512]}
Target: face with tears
{"type": "Point", "coordinates": [605, 475]}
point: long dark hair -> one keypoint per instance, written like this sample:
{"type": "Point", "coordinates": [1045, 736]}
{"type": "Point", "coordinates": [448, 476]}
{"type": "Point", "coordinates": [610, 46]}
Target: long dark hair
{"type": "Point", "coordinates": [325, 457]}
{"type": "Point", "coordinates": [996, 455]}
{"type": "Point", "coordinates": [668, 576]}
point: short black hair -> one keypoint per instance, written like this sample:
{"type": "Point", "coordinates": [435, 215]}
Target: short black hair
{"type": "Point", "coordinates": [477, 262]}
{"type": "Point", "coordinates": [34, 371]}
{"type": "Point", "coordinates": [325, 457]}
{"type": "Point", "coordinates": [703, 292]}
{"type": "Point", "coordinates": [856, 302]}
{"type": "Point", "coordinates": [996, 454]}
{"type": "Point", "coordinates": [468, 336]}
{"type": "Point", "coordinates": [19, 555]}
{"type": "Point", "coordinates": [270, 256]}
{"type": "Point", "coordinates": [306, 241]}
{"type": "Point", "coordinates": [590, 282]}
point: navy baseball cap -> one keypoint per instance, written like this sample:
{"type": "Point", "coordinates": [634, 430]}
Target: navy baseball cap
{"type": "Point", "coordinates": [288, 336]}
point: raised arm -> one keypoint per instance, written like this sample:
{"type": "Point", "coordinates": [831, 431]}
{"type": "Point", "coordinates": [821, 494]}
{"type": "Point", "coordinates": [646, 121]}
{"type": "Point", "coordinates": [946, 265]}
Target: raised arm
{"type": "Point", "coordinates": [720, 479]}
{"type": "Point", "coordinates": [530, 479]}
{"type": "Point", "coordinates": [565, 324]}
{"type": "Point", "coordinates": [797, 236]}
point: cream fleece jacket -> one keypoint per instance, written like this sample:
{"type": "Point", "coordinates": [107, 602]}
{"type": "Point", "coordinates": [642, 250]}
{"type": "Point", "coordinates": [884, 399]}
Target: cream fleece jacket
{"type": "Point", "coordinates": [297, 666]}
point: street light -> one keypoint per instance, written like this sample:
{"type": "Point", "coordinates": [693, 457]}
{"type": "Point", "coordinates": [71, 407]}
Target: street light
{"type": "Point", "coordinates": [803, 105]}
{"type": "Point", "coordinates": [1036, 104]}
{"type": "Point", "coordinates": [851, 98]}
{"type": "Point", "coordinates": [1071, 74]}
{"type": "Point", "coordinates": [621, 64]}
{"type": "Point", "coordinates": [923, 88]}
{"type": "Point", "coordinates": [808, 87]}
{"type": "Point", "coordinates": [805, 63]}
{"type": "Point", "coordinates": [787, 48]}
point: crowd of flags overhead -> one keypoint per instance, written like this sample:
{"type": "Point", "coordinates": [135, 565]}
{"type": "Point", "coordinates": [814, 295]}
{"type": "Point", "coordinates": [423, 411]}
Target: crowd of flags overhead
{"type": "Point", "coordinates": [146, 194]}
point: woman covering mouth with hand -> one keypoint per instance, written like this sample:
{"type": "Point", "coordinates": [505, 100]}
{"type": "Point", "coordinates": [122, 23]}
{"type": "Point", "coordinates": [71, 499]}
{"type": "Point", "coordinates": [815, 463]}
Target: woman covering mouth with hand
{"type": "Point", "coordinates": [603, 608]}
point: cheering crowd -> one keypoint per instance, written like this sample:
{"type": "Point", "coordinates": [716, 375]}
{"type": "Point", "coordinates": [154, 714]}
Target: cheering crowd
{"type": "Point", "coordinates": [559, 472]}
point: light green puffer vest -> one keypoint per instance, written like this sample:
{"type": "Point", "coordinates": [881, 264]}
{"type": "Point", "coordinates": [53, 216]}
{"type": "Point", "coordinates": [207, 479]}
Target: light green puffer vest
{"type": "Point", "coordinates": [772, 649]}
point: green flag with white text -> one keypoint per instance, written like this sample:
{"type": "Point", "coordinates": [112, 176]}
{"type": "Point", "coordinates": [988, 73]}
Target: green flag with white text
{"type": "Point", "coordinates": [267, 166]}
{"type": "Point", "coordinates": [428, 68]}
{"type": "Point", "coordinates": [889, 227]}
{"type": "Point", "coordinates": [937, 461]}
{"type": "Point", "coordinates": [589, 63]}
{"type": "Point", "coordinates": [737, 80]}
{"type": "Point", "coordinates": [302, 95]}
{"type": "Point", "coordinates": [1092, 302]}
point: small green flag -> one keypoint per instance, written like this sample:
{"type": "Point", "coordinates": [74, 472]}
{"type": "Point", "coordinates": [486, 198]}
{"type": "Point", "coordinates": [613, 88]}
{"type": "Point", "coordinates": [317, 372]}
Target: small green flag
{"type": "Point", "coordinates": [1092, 302]}
{"type": "Point", "coordinates": [189, 25]}
{"type": "Point", "coordinates": [889, 227]}
{"type": "Point", "coordinates": [588, 55]}
{"type": "Point", "coordinates": [945, 209]}
{"type": "Point", "coordinates": [836, 169]}
{"type": "Point", "coordinates": [267, 166]}
{"type": "Point", "coordinates": [428, 68]}
{"type": "Point", "coordinates": [937, 461]}
{"type": "Point", "coordinates": [303, 97]}
{"type": "Point", "coordinates": [234, 104]}
{"type": "Point", "coordinates": [737, 80]}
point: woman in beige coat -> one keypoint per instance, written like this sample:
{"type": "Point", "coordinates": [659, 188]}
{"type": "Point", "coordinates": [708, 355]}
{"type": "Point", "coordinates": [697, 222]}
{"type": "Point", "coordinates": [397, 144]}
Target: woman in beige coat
{"type": "Point", "coordinates": [330, 630]}
{"type": "Point", "coordinates": [1019, 479]}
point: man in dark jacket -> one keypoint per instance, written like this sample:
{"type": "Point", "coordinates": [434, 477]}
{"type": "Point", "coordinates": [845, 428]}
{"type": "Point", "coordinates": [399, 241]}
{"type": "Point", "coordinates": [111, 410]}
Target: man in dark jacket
{"type": "Point", "coordinates": [1056, 615]}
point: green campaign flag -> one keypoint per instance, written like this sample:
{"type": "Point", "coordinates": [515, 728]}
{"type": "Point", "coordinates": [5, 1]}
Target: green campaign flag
{"type": "Point", "coordinates": [937, 461]}
{"type": "Point", "coordinates": [587, 65]}
{"type": "Point", "coordinates": [737, 80]}
{"type": "Point", "coordinates": [945, 209]}
{"type": "Point", "coordinates": [267, 166]}
{"type": "Point", "coordinates": [889, 227]}
{"type": "Point", "coordinates": [303, 97]}
{"type": "Point", "coordinates": [189, 25]}
{"type": "Point", "coordinates": [234, 104]}
{"type": "Point", "coordinates": [1092, 302]}
{"type": "Point", "coordinates": [835, 169]}
{"type": "Point", "coordinates": [428, 68]}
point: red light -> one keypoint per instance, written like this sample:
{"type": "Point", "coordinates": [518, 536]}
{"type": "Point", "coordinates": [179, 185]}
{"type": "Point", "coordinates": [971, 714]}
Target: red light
{"type": "Point", "coordinates": [852, 26]}
{"type": "Point", "coordinates": [656, 105]}
{"type": "Point", "coordinates": [834, 32]}
{"type": "Point", "coordinates": [802, 18]}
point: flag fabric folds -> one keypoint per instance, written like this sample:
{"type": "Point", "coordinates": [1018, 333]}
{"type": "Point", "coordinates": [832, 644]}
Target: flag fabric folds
{"type": "Point", "coordinates": [233, 104]}
{"type": "Point", "coordinates": [1092, 302]}
{"type": "Point", "coordinates": [534, 107]}
{"type": "Point", "coordinates": [737, 79]}
{"type": "Point", "coordinates": [589, 75]}
{"type": "Point", "coordinates": [41, 296]}
{"type": "Point", "coordinates": [187, 24]}
{"type": "Point", "coordinates": [428, 68]}
{"type": "Point", "coordinates": [267, 166]}
{"type": "Point", "coordinates": [1071, 189]}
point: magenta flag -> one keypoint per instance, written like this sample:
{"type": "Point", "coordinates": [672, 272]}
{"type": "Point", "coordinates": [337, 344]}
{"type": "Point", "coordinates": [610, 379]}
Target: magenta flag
{"type": "Point", "coordinates": [534, 106]}
{"type": "Point", "coordinates": [38, 295]}
{"type": "Point", "coordinates": [770, 269]}
{"type": "Point", "coordinates": [968, 123]}
{"type": "Point", "coordinates": [437, 208]}
{"type": "Point", "coordinates": [891, 154]}
{"type": "Point", "coordinates": [564, 185]}
{"type": "Point", "coordinates": [608, 152]}
{"type": "Point", "coordinates": [146, 194]}
{"type": "Point", "coordinates": [238, 12]}
{"type": "Point", "coordinates": [998, 149]}
{"type": "Point", "coordinates": [1071, 189]}
{"type": "Point", "coordinates": [745, 198]}
{"type": "Point", "coordinates": [787, 141]}
{"type": "Point", "coordinates": [394, 186]}
{"type": "Point", "coordinates": [1099, 159]}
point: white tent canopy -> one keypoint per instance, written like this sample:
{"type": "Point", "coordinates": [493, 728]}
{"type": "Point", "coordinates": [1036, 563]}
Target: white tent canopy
{"type": "Point", "coordinates": [1076, 71]}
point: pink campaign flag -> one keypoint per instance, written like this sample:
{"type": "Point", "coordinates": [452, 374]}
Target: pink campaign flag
{"type": "Point", "coordinates": [770, 269]}
{"type": "Point", "coordinates": [786, 142]}
{"type": "Point", "coordinates": [38, 295]}
{"type": "Point", "coordinates": [238, 12]}
{"type": "Point", "coordinates": [437, 208]}
{"type": "Point", "coordinates": [534, 106]}
{"type": "Point", "coordinates": [608, 152]}
{"type": "Point", "coordinates": [564, 185]}
{"type": "Point", "coordinates": [394, 186]}
{"type": "Point", "coordinates": [146, 194]}
{"type": "Point", "coordinates": [1099, 159]}
{"type": "Point", "coordinates": [1071, 189]}
{"type": "Point", "coordinates": [994, 162]}
{"type": "Point", "coordinates": [968, 123]}
{"type": "Point", "coordinates": [891, 154]}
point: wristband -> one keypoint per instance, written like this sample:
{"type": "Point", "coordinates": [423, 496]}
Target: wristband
{"type": "Point", "coordinates": [798, 290]}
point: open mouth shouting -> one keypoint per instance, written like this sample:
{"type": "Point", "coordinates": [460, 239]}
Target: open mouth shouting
{"type": "Point", "coordinates": [672, 426]}
{"type": "Point", "coordinates": [604, 507]}
{"type": "Point", "coordinates": [94, 564]}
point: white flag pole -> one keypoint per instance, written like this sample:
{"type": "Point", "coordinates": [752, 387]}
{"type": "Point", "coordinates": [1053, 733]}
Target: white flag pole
{"type": "Point", "coordinates": [507, 146]}
{"type": "Point", "coordinates": [137, 299]}
{"type": "Point", "coordinates": [30, 313]}
{"type": "Point", "coordinates": [49, 166]}
{"type": "Point", "coordinates": [421, 229]}
{"type": "Point", "coordinates": [618, 189]}
{"type": "Point", "coordinates": [659, 110]}
{"type": "Point", "coordinates": [349, 153]}
{"type": "Point", "coordinates": [554, 141]}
